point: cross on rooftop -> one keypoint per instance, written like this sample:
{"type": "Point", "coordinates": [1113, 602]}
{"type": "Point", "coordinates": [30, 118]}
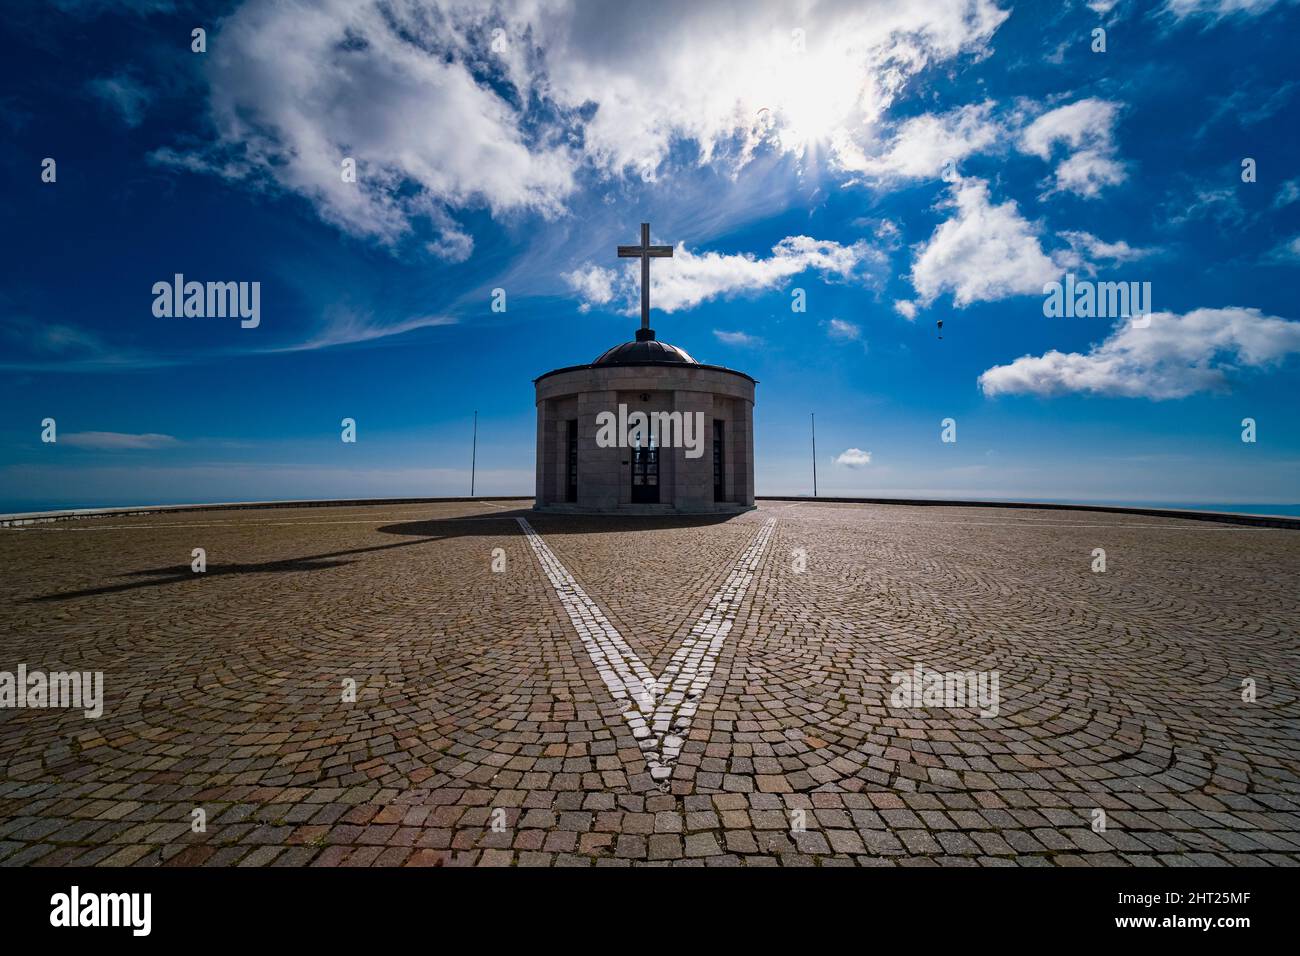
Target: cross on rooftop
{"type": "Point", "coordinates": [645, 252]}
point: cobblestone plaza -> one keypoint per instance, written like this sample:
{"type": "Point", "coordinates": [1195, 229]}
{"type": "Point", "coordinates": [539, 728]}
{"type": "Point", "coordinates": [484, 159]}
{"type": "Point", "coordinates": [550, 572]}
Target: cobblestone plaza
{"type": "Point", "coordinates": [551, 690]}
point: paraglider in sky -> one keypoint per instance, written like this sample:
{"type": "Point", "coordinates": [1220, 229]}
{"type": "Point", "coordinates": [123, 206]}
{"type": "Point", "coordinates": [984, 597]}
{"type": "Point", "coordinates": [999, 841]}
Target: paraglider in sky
{"type": "Point", "coordinates": [940, 326]}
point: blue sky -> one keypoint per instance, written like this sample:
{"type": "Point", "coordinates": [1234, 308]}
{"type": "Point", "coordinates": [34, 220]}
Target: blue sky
{"type": "Point", "coordinates": [900, 163]}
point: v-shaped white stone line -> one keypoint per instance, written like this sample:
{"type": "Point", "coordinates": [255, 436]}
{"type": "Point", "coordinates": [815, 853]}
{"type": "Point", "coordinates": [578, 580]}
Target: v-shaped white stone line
{"type": "Point", "coordinates": [659, 712]}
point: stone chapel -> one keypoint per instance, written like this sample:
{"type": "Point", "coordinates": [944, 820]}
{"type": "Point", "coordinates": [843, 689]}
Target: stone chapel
{"type": "Point", "coordinates": [645, 428]}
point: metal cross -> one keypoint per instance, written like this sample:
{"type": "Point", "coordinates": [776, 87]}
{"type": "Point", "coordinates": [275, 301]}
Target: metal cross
{"type": "Point", "coordinates": [645, 252]}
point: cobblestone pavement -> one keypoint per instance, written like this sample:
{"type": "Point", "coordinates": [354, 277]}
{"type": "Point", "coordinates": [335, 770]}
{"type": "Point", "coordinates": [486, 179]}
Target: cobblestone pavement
{"type": "Point", "coordinates": [483, 732]}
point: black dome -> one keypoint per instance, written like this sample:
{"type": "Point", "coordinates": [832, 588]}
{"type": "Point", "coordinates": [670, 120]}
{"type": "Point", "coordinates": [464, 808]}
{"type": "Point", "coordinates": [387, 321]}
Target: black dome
{"type": "Point", "coordinates": [645, 351]}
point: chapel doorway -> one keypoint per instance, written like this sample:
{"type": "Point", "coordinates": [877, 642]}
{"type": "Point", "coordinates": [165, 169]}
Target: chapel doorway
{"type": "Point", "coordinates": [645, 475]}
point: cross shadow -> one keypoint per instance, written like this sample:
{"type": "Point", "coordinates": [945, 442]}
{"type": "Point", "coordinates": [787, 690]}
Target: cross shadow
{"type": "Point", "coordinates": [175, 574]}
{"type": "Point", "coordinates": [491, 524]}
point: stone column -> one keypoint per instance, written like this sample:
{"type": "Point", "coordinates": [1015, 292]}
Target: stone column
{"type": "Point", "coordinates": [599, 470]}
{"type": "Point", "coordinates": [724, 409]}
{"type": "Point", "coordinates": [544, 491]}
{"type": "Point", "coordinates": [743, 452]}
{"type": "Point", "coordinates": [693, 477]}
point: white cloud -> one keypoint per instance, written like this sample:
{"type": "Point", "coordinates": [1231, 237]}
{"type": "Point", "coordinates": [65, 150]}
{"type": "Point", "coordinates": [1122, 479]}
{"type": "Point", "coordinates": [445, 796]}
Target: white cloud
{"type": "Point", "coordinates": [1076, 125]}
{"type": "Point", "coordinates": [986, 252]}
{"type": "Point", "coordinates": [741, 339]}
{"type": "Point", "coordinates": [1086, 128]}
{"type": "Point", "coordinates": [924, 145]}
{"type": "Point", "coordinates": [983, 253]}
{"type": "Point", "coordinates": [1087, 172]}
{"type": "Point", "coordinates": [115, 441]}
{"type": "Point", "coordinates": [440, 122]}
{"type": "Point", "coordinates": [678, 78]}
{"type": "Point", "coordinates": [887, 233]}
{"type": "Point", "coordinates": [854, 458]}
{"type": "Point", "coordinates": [295, 88]}
{"type": "Point", "coordinates": [594, 285]}
{"type": "Point", "coordinates": [452, 243]}
{"type": "Point", "coordinates": [689, 278]}
{"type": "Point", "coordinates": [932, 144]}
{"type": "Point", "coordinates": [1175, 356]}
{"type": "Point", "coordinates": [847, 331]}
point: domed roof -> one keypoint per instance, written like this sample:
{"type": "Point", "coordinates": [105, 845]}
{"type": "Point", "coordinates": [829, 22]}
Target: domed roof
{"type": "Point", "coordinates": [643, 351]}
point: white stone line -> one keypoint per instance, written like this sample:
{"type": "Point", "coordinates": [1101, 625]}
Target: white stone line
{"type": "Point", "coordinates": [627, 678]}
{"type": "Point", "coordinates": [689, 671]}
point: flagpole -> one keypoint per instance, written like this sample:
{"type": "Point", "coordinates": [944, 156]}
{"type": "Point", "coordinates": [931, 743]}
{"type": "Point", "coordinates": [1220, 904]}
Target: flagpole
{"type": "Point", "coordinates": [814, 439]}
{"type": "Point", "coordinates": [473, 460]}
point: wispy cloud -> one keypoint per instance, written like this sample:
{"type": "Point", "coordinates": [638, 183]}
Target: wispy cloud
{"type": "Point", "coordinates": [89, 9]}
{"type": "Point", "coordinates": [690, 278]}
{"type": "Point", "coordinates": [1218, 205]}
{"type": "Point", "coordinates": [50, 346]}
{"type": "Point", "coordinates": [116, 441]}
{"type": "Point", "coordinates": [124, 94]}
{"type": "Point", "coordinates": [1287, 252]}
{"type": "Point", "coordinates": [225, 164]}
{"type": "Point", "coordinates": [1249, 105]}
{"type": "Point", "coordinates": [742, 339]}
{"type": "Point", "coordinates": [348, 326]}
{"type": "Point", "coordinates": [1287, 193]}
{"type": "Point", "coordinates": [1216, 10]}
{"type": "Point", "coordinates": [844, 331]}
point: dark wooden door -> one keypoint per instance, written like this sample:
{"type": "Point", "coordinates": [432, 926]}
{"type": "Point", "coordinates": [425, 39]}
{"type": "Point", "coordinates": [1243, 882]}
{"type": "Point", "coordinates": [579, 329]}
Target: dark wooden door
{"type": "Point", "coordinates": [645, 476]}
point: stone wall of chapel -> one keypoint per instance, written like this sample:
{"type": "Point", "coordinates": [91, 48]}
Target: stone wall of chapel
{"type": "Point", "coordinates": [646, 379]}
{"type": "Point", "coordinates": [604, 474]}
